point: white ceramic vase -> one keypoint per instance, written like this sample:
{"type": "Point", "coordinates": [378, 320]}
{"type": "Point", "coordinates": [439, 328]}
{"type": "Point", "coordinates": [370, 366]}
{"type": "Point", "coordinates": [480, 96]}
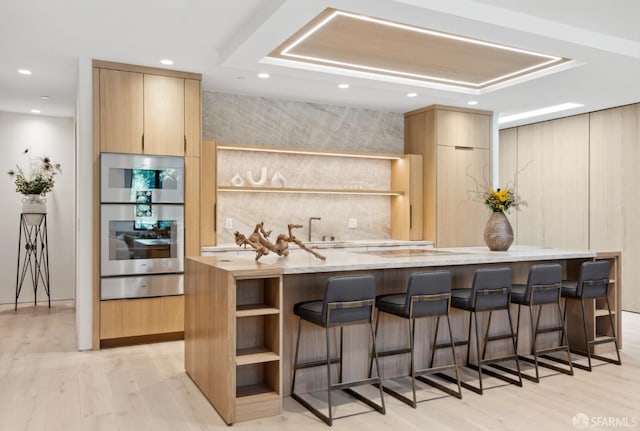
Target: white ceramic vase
{"type": "Point", "coordinates": [33, 206]}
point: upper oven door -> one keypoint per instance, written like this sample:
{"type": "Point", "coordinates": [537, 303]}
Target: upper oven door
{"type": "Point", "coordinates": [125, 176]}
{"type": "Point", "coordinates": [141, 241]}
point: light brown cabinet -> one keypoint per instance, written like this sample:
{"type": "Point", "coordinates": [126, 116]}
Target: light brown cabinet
{"type": "Point", "coordinates": [141, 110]}
{"type": "Point", "coordinates": [163, 116]}
{"type": "Point", "coordinates": [455, 146]}
{"type": "Point", "coordinates": [120, 104]}
{"type": "Point", "coordinates": [208, 194]}
{"type": "Point", "coordinates": [460, 216]}
{"type": "Point", "coordinates": [552, 159]}
{"type": "Point", "coordinates": [233, 339]}
{"type": "Point", "coordinates": [148, 111]}
{"type": "Point", "coordinates": [192, 117]}
{"type": "Point", "coordinates": [406, 209]}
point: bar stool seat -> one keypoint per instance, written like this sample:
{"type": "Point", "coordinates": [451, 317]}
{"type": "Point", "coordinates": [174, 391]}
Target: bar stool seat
{"type": "Point", "coordinates": [428, 294]}
{"type": "Point", "coordinates": [543, 287]}
{"type": "Point", "coordinates": [592, 283]}
{"type": "Point", "coordinates": [490, 291]}
{"type": "Point", "coordinates": [348, 300]}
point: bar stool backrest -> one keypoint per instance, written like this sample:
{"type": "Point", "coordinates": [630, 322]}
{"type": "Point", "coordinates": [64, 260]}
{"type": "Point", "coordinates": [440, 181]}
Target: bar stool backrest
{"type": "Point", "coordinates": [349, 300]}
{"type": "Point", "coordinates": [491, 288]}
{"type": "Point", "coordinates": [431, 291]}
{"type": "Point", "coordinates": [546, 281]}
{"type": "Point", "coordinates": [593, 281]}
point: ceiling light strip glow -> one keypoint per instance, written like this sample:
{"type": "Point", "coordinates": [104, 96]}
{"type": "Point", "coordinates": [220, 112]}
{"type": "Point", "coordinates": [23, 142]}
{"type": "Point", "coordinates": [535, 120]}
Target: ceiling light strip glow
{"type": "Point", "coordinates": [538, 112]}
{"type": "Point", "coordinates": [419, 76]}
{"type": "Point", "coordinates": [550, 60]}
{"type": "Point", "coordinates": [325, 68]}
{"type": "Point", "coordinates": [309, 152]}
{"type": "Point", "coordinates": [414, 29]}
{"type": "Point", "coordinates": [309, 191]}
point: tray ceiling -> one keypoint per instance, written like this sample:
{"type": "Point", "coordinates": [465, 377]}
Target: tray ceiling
{"type": "Point", "coordinates": [353, 42]}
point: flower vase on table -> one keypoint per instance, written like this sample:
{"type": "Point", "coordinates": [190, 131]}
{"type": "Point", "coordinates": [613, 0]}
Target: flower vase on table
{"type": "Point", "coordinates": [35, 185]}
{"type": "Point", "coordinates": [498, 234]}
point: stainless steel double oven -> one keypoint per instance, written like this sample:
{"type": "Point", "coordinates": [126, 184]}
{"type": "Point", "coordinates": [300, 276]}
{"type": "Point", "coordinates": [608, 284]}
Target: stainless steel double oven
{"type": "Point", "coordinates": [142, 226]}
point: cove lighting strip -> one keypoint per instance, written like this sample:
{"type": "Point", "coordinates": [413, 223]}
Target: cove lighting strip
{"type": "Point", "coordinates": [310, 152]}
{"type": "Point", "coordinates": [538, 112]}
{"type": "Point", "coordinates": [549, 59]}
{"type": "Point", "coordinates": [308, 191]}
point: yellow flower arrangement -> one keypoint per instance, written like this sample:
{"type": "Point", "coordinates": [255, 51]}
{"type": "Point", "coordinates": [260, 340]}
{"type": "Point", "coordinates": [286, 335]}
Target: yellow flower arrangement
{"type": "Point", "coordinates": [499, 200]}
{"type": "Point", "coordinates": [502, 199]}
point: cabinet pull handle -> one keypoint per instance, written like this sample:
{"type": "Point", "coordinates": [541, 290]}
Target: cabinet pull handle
{"type": "Point", "coordinates": [215, 217]}
{"type": "Point", "coordinates": [143, 142]}
{"type": "Point", "coordinates": [459, 147]}
{"type": "Point", "coordinates": [185, 144]}
{"type": "Point", "coordinates": [410, 216]}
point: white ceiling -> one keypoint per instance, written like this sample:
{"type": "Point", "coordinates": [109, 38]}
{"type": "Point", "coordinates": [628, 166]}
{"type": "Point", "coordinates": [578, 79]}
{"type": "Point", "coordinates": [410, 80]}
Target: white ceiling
{"type": "Point", "coordinates": [226, 40]}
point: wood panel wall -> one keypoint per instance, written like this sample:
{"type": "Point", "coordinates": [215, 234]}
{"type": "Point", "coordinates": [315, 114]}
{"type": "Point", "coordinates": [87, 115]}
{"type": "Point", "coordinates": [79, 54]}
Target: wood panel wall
{"type": "Point", "coordinates": [581, 185]}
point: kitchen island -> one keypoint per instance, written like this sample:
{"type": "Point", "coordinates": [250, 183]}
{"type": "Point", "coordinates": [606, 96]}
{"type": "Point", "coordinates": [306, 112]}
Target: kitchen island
{"type": "Point", "coordinates": [240, 329]}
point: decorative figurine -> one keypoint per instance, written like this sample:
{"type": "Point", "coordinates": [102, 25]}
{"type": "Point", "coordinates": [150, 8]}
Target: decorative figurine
{"type": "Point", "coordinates": [260, 242]}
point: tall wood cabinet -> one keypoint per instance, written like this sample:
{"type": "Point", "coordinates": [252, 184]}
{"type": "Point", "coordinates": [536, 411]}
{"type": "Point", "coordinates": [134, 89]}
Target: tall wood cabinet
{"type": "Point", "coordinates": [589, 162]}
{"type": "Point", "coordinates": [141, 110]}
{"type": "Point", "coordinates": [552, 159]}
{"type": "Point", "coordinates": [455, 144]}
{"type": "Point", "coordinates": [148, 111]}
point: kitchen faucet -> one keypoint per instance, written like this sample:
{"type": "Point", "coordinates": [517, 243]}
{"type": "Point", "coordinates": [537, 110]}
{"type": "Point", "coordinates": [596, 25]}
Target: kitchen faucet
{"type": "Point", "coordinates": [310, 220]}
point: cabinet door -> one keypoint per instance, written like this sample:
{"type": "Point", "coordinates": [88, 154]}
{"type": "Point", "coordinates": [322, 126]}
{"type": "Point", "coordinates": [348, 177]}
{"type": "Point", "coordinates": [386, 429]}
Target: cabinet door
{"type": "Point", "coordinates": [208, 235]}
{"type": "Point", "coordinates": [555, 183]}
{"type": "Point", "coordinates": [463, 129]}
{"type": "Point", "coordinates": [163, 115]}
{"type": "Point", "coordinates": [460, 217]}
{"type": "Point", "coordinates": [192, 206]}
{"type": "Point", "coordinates": [121, 118]}
{"type": "Point", "coordinates": [406, 210]}
{"type": "Point", "coordinates": [192, 116]}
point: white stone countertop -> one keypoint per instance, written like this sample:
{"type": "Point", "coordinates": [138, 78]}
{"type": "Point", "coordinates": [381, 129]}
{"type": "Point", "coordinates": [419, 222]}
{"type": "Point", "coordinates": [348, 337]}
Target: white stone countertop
{"type": "Point", "coordinates": [301, 262]}
{"type": "Point", "coordinates": [231, 247]}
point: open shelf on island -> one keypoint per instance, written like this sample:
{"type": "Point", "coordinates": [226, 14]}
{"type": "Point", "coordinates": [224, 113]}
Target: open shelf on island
{"type": "Point", "coordinates": [249, 310]}
{"type": "Point", "coordinates": [255, 355]}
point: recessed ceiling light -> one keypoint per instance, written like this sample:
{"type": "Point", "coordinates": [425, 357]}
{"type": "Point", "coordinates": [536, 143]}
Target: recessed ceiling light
{"type": "Point", "coordinates": [263, 75]}
{"type": "Point", "coordinates": [472, 102]}
{"type": "Point", "coordinates": [24, 71]}
{"type": "Point", "coordinates": [35, 111]}
{"type": "Point", "coordinates": [166, 62]}
{"type": "Point", "coordinates": [343, 86]}
{"type": "Point", "coordinates": [44, 97]}
{"type": "Point", "coordinates": [538, 112]}
{"type": "Point", "coordinates": [412, 94]}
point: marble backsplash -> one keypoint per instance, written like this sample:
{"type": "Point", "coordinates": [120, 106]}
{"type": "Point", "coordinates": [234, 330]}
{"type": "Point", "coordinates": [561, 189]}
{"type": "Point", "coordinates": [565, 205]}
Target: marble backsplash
{"type": "Point", "coordinates": [272, 122]}
{"type": "Point", "coordinates": [276, 122]}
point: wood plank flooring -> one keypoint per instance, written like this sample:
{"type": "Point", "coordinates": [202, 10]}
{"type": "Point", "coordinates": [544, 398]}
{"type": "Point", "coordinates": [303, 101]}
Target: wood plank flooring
{"type": "Point", "coordinates": [45, 384]}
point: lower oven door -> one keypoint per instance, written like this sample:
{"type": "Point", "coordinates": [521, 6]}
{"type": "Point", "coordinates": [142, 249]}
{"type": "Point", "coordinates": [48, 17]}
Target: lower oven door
{"type": "Point", "coordinates": [136, 242]}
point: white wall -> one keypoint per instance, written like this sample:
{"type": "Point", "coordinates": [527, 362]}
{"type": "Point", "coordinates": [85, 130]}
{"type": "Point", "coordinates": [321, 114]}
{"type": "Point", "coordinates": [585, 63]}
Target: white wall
{"type": "Point", "coordinates": [84, 199]}
{"type": "Point", "coordinates": [53, 137]}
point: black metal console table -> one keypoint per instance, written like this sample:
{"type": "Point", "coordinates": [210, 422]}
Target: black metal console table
{"type": "Point", "coordinates": [35, 259]}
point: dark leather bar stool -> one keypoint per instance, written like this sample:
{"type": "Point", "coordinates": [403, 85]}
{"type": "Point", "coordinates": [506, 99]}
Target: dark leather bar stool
{"type": "Point", "coordinates": [543, 288]}
{"type": "Point", "coordinates": [490, 291]}
{"type": "Point", "coordinates": [428, 294]}
{"type": "Point", "coordinates": [348, 300]}
{"type": "Point", "coordinates": [592, 283]}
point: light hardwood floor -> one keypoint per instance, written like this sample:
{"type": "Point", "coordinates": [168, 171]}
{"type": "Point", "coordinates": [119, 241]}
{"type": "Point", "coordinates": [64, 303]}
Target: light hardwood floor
{"type": "Point", "coordinates": [45, 384]}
